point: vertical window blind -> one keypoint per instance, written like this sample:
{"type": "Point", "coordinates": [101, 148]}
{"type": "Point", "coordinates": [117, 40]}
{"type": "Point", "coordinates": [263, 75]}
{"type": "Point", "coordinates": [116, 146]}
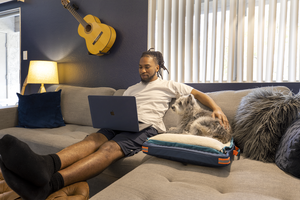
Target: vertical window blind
{"type": "Point", "coordinates": [226, 40]}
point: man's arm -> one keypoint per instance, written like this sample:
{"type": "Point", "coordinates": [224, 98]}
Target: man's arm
{"type": "Point", "coordinates": [209, 102]}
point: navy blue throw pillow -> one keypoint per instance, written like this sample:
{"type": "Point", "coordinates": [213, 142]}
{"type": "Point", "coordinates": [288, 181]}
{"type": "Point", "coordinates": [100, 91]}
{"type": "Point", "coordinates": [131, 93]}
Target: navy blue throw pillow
{"type": "Point", "coordinates": [288, 152]}
{"type": "Point", "coordinates": [40, 110]}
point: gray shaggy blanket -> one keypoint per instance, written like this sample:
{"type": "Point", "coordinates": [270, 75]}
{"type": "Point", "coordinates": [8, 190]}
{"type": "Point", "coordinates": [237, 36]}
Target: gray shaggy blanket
{"type": "Point", "coordinates": [261, 119]}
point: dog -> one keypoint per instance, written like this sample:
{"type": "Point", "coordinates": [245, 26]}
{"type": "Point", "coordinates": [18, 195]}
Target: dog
{"type": "Point", "coordinates": [197, 121]}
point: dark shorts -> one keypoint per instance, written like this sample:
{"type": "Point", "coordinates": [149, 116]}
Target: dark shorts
{"type": "Point", "coordinates": [130, 143]}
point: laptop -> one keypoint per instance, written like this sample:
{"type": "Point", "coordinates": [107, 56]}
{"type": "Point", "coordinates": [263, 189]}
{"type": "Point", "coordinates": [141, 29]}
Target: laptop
{"type": "Point", "coordinates": [115, 112]}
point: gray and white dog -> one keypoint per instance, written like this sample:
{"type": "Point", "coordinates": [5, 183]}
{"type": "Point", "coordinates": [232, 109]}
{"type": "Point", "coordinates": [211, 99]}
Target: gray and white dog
{"type": "Point", "coordinates": [197, 121]}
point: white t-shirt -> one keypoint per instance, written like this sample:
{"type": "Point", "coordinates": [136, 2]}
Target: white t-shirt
{"type": "Point", "coordinates": [153, 99]}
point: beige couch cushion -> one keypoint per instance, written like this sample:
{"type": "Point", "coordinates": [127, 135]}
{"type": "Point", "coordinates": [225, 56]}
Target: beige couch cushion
{"type": "Point", "coordinates": [8, 117]}
{"type": "Point", "coordinates": [168, 180]}
{"type": "Point", "coordinates": [74, 103]}
{"type": "Point", "coordinates": [229, 101]}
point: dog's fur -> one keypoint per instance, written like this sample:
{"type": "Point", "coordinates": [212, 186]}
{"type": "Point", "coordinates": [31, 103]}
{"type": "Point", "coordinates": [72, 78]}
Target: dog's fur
{"type": "Point", "coordinates": [197, 121]}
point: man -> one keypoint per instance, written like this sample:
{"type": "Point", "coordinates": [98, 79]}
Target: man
{"type": "Point", "coordinates": [40, 176]}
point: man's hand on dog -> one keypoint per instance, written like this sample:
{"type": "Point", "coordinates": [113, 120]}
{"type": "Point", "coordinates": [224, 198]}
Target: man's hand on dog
{"type": "Point", "coordinates": [222, 117]}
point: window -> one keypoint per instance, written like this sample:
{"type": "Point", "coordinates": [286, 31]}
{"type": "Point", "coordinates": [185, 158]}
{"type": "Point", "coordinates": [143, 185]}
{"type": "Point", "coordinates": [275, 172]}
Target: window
{"type": "Point", "coordinates": [9, 56]}
{"type": "Point", "coordinates": [227, 40]}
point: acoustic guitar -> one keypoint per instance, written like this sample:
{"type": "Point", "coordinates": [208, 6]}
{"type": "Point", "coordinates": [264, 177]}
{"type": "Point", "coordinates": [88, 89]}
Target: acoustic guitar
{"type": "Point", "coordinates": [99, 37]}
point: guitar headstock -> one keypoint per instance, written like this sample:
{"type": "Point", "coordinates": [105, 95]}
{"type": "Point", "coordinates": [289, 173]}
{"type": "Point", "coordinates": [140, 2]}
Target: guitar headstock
{"type": "Point", "coordinates": [65, 3]}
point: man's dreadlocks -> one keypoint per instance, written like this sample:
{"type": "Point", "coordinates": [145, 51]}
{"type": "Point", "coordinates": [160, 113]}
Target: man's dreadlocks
{"type": "Point", "coordinates": [158, 59]}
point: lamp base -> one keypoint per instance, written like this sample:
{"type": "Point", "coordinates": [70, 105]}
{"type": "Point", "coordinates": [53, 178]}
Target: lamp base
{"type": "Point", "coordinates": [42, 88]}
{"type": "Point", "coordinates": [24, 86]}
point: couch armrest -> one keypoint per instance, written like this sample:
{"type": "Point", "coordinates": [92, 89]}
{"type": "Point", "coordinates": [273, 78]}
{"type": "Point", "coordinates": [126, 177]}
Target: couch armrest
{"type": "Point", "coordinates": [8, 117]}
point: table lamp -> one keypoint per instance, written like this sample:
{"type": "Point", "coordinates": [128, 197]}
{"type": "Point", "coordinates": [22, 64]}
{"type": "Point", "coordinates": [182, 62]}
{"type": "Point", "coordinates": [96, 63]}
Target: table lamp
{"type": "Point", "coordinates": [41, 72]}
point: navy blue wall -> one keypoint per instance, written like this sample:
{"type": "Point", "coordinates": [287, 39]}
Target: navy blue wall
{"type": "Point", "coordinates": [49, 32]}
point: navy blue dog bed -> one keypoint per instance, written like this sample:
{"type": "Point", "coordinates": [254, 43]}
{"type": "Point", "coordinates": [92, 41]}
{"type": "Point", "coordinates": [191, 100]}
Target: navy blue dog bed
{"type": "Point", "coordinates": [190, 149]}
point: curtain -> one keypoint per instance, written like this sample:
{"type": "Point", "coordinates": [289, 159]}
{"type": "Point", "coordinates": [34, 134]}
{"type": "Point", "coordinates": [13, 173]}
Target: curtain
{"type": "Point", "coordinates": [226, 40]}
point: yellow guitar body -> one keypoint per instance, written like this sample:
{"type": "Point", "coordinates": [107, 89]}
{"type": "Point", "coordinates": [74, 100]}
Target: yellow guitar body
{"type": "Point", "coordinates": [99, 37]}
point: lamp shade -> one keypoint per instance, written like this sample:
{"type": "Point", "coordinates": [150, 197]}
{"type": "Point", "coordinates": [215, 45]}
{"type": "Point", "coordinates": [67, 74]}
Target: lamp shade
{"type": "Point", "coordinates": [42, 72]}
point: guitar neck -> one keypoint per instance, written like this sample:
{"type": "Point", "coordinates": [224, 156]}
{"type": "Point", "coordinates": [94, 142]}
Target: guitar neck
{"type": "Point", "coordinates": [77, 16]}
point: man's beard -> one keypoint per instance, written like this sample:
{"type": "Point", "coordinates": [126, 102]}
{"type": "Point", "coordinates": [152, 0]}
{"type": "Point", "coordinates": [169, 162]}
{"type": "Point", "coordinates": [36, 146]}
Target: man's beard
{"type": "Point", "coordinates": [147, 80]}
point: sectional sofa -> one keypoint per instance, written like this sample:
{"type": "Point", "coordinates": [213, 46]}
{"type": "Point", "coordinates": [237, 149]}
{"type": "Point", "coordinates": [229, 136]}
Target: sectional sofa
{"type": "Point", "coordinates": [147, 177]}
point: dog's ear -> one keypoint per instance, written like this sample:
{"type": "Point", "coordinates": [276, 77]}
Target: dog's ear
{"type": "Point", "coordinates": [177, 95]}
{"type": "Point", "coordinates": [190, 99]}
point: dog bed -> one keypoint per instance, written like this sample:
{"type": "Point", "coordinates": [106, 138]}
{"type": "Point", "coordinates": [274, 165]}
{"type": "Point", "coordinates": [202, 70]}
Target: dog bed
{"type": "Point", "coordinates": [191, 149]}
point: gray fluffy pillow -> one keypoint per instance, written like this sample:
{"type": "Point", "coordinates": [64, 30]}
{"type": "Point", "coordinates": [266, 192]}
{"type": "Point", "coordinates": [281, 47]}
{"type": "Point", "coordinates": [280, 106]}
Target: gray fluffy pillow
{"type": "Point", "coordinates": [261, 119]}
{"type": "Point", "coordinates": [288, 152]}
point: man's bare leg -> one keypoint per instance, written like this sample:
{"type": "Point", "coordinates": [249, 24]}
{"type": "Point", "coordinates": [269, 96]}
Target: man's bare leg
{"type": "Point", "coordinates": [93, 164]}
{"type": "Point", "coordinates": [82, 149]}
